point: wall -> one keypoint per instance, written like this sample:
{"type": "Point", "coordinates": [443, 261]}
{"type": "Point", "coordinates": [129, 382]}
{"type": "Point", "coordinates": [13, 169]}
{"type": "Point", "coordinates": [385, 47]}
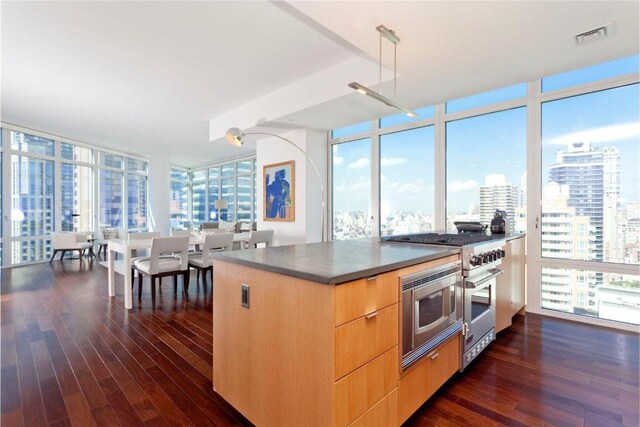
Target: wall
{"type": "Point", "coordinates": [159, 194]}
{"type": "Point", "coordinates": [306, 227]}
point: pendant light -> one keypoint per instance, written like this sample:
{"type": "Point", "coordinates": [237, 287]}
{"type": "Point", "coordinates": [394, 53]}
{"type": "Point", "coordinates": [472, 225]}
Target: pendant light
{"type": "Point", "coordinates": [391, 36]}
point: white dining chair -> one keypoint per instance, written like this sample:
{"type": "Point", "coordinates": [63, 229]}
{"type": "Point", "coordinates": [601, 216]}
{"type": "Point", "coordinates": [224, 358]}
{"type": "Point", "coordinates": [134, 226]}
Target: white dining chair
{"type": "Point", "coordinates": [259, 237]}
{"type": "Point", "coordinates": [146, 235]}
{"type": "Point", "coordinates": [157, 266]}
{"type": "Point", "coordinates": [202, 261]}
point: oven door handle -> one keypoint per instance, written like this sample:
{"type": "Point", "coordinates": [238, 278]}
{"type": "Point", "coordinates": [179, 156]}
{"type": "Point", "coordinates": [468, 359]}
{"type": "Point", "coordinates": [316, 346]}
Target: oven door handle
{"type": "Point", "coordinates": [476, 284]}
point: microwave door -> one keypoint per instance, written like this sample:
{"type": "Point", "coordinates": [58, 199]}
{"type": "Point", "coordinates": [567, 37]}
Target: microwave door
{"type": "Point", "coordinates": [431, 308]}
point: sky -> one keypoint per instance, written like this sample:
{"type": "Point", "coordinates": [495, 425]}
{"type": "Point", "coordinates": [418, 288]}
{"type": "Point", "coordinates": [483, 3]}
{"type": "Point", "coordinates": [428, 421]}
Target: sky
{"type": "Point", "coordinates": [492, 143]}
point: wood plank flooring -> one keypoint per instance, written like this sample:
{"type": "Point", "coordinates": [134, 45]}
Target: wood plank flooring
{"type": "Point", "coordinates": [70, 355]}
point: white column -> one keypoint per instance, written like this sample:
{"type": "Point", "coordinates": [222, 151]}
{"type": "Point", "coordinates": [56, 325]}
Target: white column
{"type": "Point", "coordinates": [306, 228]}
{"type": "Point", "coordinates": [158, 215]}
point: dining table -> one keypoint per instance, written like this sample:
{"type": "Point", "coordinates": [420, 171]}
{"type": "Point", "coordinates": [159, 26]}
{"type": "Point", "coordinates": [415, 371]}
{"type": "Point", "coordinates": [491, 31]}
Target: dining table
{"type": "Point", "coordinates": [126, 248]}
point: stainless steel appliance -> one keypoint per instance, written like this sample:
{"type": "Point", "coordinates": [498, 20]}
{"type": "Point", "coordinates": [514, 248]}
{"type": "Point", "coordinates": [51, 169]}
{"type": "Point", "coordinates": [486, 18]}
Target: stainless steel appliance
{"type": "Point", "coordinates": [431, 309]}
{"type": "Point", "coordinates": [481, 256]}
{"type": "Point", "coordinates": [499, 222]}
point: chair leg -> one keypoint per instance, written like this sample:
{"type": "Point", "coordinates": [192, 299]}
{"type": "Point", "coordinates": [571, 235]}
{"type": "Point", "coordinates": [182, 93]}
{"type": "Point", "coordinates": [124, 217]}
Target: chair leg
{"type": "Point", "coordinates": [185, 282]}
{"type": "Point", "coordinates": [139, 286]}
{"type": "Point", "coordinates": [61, 257]}
{"type": "Point", "coordinates": [55, 251]}
{"type": "Point", "coordinates": [133, 276]}
{"type": "Point", "coordinates": [197, 275]}
{"type": "Point", "coordinates": [153, 291]}
{"type": "Point", "coordinates": [175, 285]}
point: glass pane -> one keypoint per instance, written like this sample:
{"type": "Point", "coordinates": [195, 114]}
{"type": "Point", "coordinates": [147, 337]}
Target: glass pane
{"type": "Point", "coordinates": [255, 197]}
{"type": "Point", "coordinates": [352, 130]}
{"type": "Point", "coordinates": [199, 175]}
{"type": "Point", "coordinates": [244, 166]}
{"type": "Point", "coordinates": [214, 194]}
{"type": "Point", "coordinates": [229, 169]}
{"type": "Point", "coordinates": [179, 174]}
{"type": "Point", "coordinates": [430, 309]}
{"type": "Point", "coordinates": [487, 98]}
{"type": "Point", "coordinates": [592, 293]}
{"type": "Point", "coordinates": [137, 165]}
{"type": "Point", "coordinates": [32, 144]}
{"type": "Point", "coordinates": [179, 193]}
{"type": "Point", "coordinates": [214, 173]}
{"type": "Point", "coordinates": [199, 201]}
{"type": "Point", "coordinates": [590, 145]}
{"type": "Point", "coordinates": [228, 194]}
{"type": "Point", "coordinates": [137, 201]}
{"type": "Point", "coordinates": [407, 178]}
{"type": "Point", "coordinates": [77, 197]}
{"type": "Point", "coordinates": [30, 251]}
{"type": "Point", "coordinates": [32, 200]}
{"type": "Point", "coordinates": [396, 119]}
{"type": "Point", "coordinates": [486, 167]}
{"type": "Point", "coordinates": [110, 199]}
{"type": "Point", "coordinates": [112, 161]}
{"type": "Point", "coordinates": [351, 164]}
{"type": "Point", "coordinates": [244, 198]}
{"type": "Point", "coordinates": [74, 152]}
{"type": "Point", "coordinates": [593, 73]}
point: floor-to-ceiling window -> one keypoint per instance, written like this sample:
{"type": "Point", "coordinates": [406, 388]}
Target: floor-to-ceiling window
{"type": "Point", "coordinates": [351, 178]}
{"type": "Point", "coordinates": [53, 184]}
{"type": "Point", "coordinates": [568, 143]}
{"type": "Point", "coordinates": [590, 195]}
{"type": "Point", "coordinates": [406, 185]}
{"type": "Point", "coordinates": [199, 206]}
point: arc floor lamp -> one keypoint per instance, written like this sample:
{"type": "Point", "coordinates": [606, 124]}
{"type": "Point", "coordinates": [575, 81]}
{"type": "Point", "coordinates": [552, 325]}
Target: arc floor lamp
{"type": "Point", "coordinates": [236, 137]}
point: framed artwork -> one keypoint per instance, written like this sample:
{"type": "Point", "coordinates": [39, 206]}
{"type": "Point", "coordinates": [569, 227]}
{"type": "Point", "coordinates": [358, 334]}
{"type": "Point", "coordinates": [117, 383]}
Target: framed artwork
{"type": "Point", "coordinates": [279, 191]}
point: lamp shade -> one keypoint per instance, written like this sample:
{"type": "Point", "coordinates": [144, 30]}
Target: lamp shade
{"type": "Point", "coordinates": [220, 204]}
{"type": "Point", "coordinates": [235, 137]}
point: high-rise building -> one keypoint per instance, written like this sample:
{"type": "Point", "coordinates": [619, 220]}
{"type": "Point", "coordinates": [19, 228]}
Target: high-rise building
{"type": "Point", "coordinates": [497, 194]}
{"type": "Point", "coordinates": [593, 179]}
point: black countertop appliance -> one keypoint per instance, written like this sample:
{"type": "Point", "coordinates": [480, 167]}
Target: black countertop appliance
{"type": "Point", "coordinates": [499, 223]}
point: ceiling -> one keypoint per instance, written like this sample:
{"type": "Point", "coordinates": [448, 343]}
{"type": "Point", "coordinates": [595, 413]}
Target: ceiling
{"type": "Point", "coordinates": [170, 77]}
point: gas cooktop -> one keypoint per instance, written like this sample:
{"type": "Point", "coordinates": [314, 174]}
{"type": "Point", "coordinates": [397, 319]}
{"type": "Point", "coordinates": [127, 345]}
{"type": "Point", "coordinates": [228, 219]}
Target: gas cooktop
{"type": "Point", "coordinates": [440, 239]}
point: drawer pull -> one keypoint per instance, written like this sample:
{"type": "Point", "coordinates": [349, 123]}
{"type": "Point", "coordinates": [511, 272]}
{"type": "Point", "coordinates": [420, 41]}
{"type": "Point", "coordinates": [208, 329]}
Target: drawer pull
{"type": "Point", "coordinates": [434, 355]}
{"type": "Point", "coordinates": [372, 278]}
{"type": "Point", "coordinates": [372, 315]}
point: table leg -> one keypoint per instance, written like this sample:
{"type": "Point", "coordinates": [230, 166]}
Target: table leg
{"type": "Point", "coordinates": [128, 298]}
{"type": "Point", "coordinates": [112, 273]}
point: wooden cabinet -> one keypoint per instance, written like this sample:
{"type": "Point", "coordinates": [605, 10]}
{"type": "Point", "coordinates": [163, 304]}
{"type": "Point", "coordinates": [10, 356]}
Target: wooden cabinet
{"type": "Point", "coordinates": [311, 354]}
{"type": "Point", "coordinates": [420, 381]}
{"type": "Point", "coordinates": [510, 292]}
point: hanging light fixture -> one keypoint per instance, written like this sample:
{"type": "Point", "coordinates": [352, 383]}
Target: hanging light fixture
{"type": "Point", "coordinates": [391, 36]}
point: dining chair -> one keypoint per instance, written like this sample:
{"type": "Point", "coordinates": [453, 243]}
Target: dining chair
{"type": "Point", "coordinates": [258, 237]}
{"type": "Point", "coordinates": [108, 233]}
{"type": "Point", "coordinates": [174, 232]}
{"type": "Point", "coordinates": [157, 266]}
{"type": "Point", "coordinates": [146, 235]}
{"type": "Point", "coordinates": [202, 261]}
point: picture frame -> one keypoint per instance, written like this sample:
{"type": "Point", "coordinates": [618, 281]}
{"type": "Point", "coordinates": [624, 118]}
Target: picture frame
{"type": "Point", "coordinates": [279, 192]}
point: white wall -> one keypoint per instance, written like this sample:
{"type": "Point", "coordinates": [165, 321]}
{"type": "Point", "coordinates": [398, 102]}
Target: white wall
{"type": "Point", "coordinates": [306, 227]}
{"type": "Point", "coordinates": [159, 194]}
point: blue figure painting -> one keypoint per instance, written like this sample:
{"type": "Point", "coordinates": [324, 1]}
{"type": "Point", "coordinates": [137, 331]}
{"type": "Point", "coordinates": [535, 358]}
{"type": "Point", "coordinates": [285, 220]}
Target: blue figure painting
{"type": "Point", "coordinates": [278, 192]}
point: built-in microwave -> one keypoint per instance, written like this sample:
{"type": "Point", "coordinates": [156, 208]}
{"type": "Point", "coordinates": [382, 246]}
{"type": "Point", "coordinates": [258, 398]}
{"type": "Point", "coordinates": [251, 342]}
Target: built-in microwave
{"type": "Point", "coordinates": [431, 309]}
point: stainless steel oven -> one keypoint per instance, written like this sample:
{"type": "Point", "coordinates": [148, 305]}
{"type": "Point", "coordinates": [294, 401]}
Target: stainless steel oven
{"type": "Point", "coordinates": [431, 309]}
{"type": "Point", "coordinates": [479, 312]}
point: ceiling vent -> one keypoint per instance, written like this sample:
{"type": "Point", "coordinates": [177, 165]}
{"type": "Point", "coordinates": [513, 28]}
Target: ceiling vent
{"type": "Point", "coordinates": [594, 34]}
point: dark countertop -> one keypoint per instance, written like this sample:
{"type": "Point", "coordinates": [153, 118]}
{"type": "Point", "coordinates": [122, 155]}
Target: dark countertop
{"type": "Point", "coordinates": [337, 261]}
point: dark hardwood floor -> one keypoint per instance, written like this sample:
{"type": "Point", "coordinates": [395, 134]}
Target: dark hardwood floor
{"type": "Point", "coordinates": [71, 355]}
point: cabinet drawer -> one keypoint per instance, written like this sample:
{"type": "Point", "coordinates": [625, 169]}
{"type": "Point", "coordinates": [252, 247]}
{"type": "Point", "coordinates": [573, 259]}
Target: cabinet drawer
{"type": "Point", "coordinates": [360, 297]}
{"type": "Point", "coordinates": [423, 379]}
{"type": "Point", "coordinates": [382, 414]}
{"type": "Point", "coordinates": [363, 339]}
{"type": "Point", "coordinates": [362, 388]}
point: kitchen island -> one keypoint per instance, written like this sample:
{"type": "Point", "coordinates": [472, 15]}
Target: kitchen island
{"type": "Point", "coordinates": [309, 334]}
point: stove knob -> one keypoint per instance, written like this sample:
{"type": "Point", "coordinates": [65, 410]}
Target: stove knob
{"type": "Point", "coordinates": [494, 256]}
{"type": "Point", "coordinates": [486, 258]}
{"type": "Point", "coordinates": [503, 253]}
{"type": "Point", "coordinates": [475, 260]}
{"type": "Point", "coordinates": [499, 253]}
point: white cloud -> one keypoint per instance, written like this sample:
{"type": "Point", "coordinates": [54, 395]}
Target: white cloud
{"type": "Point", "coordinates": [460, 185]}
{"type": "Point", "coordinates": [392, 161]}
{"type": "Point", "coordinates": [337, 160]}
{"type": "Point", "coordinates": [411, 187]}
{"type": "Point", "coordinates": [360, 163]}
{"type": "Point", "coordinates": [600, 134]}
{"type": "Point", "coordinates": [362, 185]}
